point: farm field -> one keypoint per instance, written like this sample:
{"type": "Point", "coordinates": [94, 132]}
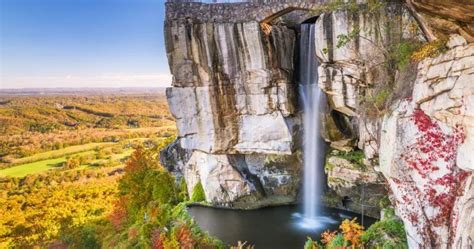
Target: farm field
{"type": "Point", "coordinates": [52, 164]}
{"type": "Point", "coordinates": [60, 153]}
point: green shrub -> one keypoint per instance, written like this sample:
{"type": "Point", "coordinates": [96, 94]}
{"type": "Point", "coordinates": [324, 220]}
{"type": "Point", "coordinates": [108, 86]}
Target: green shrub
{"type": "Point", "coordinates": [311, 244]}
{"type": "Point", "coordinates": [401, 53]}
{"type": "Point", "coordinates": [84, 236]}
{"type": "Point", "coordinates": [388, 233]}
{"type": "Point", "coordinates": [381, 97]}
{"type": "Point", "coordinates": [356, 157]}
{"type": "Point", "coordinates": [198, 193]}
{"type": "Point", "coordinates": [183, 190]}
{"type": "Point", "coordinates": [336, 242]}
{"type": "Point", "coordinates": [164, 190]}
{"type": "Point", "coordinates": [388, 213]}
{"type": "Point", "coordinates": [384, 202]}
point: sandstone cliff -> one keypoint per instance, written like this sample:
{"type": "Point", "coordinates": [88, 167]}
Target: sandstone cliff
{"type": "Point", "coordinates": [233, 100]}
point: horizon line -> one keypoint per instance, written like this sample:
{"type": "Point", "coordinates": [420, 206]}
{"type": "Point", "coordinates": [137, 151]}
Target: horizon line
{"type": "Point", "coordinates": [85, 87]}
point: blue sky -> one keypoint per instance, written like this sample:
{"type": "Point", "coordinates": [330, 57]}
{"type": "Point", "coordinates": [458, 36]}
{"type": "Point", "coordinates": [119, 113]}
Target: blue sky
{"type": "Point", "coordinates": [82, 43]}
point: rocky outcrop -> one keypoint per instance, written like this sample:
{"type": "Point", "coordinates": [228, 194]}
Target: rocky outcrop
{"type": "Point", "coordinates": [232, 91]}
{"type": "Point", "coordinates": [243, 181]}
{"type": "Point", "coordinates": [440, 18]}
{"type": "Point", "coordinates": [233, 99]}
{"type": "Point", "coordinates": [421, 143]}
{"type": "Point", "coordinates": [239, 11]}
{"type": "Point", "coordinates": [353, 185]}
{"type": "Point", "coordinates": [352, 46]}
{"type": "Point", "coordinates": [424, 151]}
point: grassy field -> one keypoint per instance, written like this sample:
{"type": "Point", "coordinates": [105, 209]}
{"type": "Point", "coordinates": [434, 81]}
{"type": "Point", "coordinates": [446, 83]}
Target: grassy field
{"type": "Point", "coordinates": [38, 166]}
{"type": "Point", "coordinates": [60, 153]}
{"type": "Point", "coordinates": [51, 164]}
{"type": "Point", "coordinates": [53, 160]}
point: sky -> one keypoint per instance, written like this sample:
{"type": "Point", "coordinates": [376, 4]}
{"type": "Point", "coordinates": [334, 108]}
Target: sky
{"type": "Point", "coordinates": [82, 43]}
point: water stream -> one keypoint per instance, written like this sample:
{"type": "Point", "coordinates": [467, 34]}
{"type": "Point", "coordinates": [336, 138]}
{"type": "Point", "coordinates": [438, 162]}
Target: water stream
{"type": "Point", "coordinates": [310, 97]}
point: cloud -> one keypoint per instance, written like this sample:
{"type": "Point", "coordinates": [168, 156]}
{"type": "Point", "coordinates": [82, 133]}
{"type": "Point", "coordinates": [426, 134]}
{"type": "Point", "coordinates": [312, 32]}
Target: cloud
{"type": "Point", "coordinates": [103, 80]}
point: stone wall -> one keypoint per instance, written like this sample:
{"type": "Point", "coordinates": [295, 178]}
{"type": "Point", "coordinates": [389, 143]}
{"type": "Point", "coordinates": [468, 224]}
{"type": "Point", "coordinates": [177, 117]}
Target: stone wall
{"type": "Point", "coordinates": [254, 10]}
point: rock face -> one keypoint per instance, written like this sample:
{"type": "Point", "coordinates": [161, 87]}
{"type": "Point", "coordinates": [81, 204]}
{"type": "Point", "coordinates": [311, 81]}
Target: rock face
{"type": "Point", "coordinates": [232, 87]}
{"type": "Point", "coordinates": [351, 46]}
{"type": "Point", "coordinates": [352, 69]}
{"type": "Point", "coordinates": [352, 49]}
{"type": "Point", "coordinates": [352, 184]}
{"type": "Point", "coordinates": [421, 146]}
{"type": "Point", "coordinates": [234, 102]}
{"type": "Point", "coordinates": [440, 19]}
{"type": "Point", "coordinates": [425, 151]}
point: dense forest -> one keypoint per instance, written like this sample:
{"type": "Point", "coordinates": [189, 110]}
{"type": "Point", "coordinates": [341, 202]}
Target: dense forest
{"type": "Point", "coordinates": [34, 124]}
{"type": "Point", "coordinates": [62, 157]}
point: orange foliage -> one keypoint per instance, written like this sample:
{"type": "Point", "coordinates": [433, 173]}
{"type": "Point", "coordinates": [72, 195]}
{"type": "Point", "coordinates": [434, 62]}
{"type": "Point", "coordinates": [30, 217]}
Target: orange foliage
{"type": "Point", "coordinates": [33, 124]}
{"type": "Point", "coordinates": [327, 236]}
{"type": "Point", "coordinates": [185, 238]}
{"type": "Point", "coordinates": [132, 233]}
{"type": "Point", "coordinates": [351, 231]}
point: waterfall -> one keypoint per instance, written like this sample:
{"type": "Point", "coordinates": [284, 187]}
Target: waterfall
{"type": "Point", "coordinates": [310, 95]}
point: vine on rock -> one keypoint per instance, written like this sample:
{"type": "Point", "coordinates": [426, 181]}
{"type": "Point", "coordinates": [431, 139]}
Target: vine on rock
{"type": "Point", "coordinates": [431, 157]}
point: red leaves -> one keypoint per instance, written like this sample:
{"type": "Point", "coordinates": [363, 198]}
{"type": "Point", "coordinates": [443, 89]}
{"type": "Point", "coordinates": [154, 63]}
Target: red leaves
{"type": "Point", "coordinates": [433, 152]}
{"type": "Point", "coordinates": [413, 218]}
{"type": "Point", "coordinates": [185, 238]}
{"type": "Point", "coordinates": [423, 121]}
{"type": "Point", "coordinates": [119, 213]}
{"type": "Point", "coordinates": [157, 239]}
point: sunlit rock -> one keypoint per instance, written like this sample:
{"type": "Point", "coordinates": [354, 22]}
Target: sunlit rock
{"type": "Point", "coordinates": [424, 152]}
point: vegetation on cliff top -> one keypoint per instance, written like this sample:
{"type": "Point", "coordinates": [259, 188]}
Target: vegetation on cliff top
{"type": "Point", "coordinates": [400, 48]}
